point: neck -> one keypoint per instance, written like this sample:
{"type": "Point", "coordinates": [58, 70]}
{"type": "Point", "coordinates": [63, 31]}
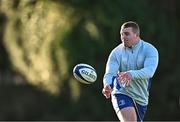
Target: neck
{"type": "Point", "coordinates": [136, 41]}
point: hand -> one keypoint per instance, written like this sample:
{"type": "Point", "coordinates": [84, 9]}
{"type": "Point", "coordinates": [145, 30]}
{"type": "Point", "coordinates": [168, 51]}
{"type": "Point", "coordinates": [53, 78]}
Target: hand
{"type": "Point", "coordinates": [107, 91]}
{"type": "Point", "coordinates": [125, 77]}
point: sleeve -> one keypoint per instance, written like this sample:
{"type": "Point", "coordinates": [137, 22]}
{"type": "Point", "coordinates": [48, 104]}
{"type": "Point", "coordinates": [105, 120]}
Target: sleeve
{"type": "Point", "coordinates": [112, 68]}
{"type": "Point", "coordinates": [150, 65]}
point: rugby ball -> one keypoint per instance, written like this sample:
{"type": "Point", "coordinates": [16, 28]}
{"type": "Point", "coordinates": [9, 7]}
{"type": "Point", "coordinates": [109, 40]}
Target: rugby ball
{"type": "Point", "coordinates": [85, 73]}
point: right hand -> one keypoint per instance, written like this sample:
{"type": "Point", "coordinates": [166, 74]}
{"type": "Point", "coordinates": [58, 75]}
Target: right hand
{"type": "Point", "coordinates": [124, 78]}
{"type": "Point", "coordinates": [107, 91]}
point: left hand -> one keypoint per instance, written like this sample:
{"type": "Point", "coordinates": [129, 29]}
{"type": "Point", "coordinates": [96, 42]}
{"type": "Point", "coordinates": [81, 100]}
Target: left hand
{"type": "Point", "coordinates": [125, 77]}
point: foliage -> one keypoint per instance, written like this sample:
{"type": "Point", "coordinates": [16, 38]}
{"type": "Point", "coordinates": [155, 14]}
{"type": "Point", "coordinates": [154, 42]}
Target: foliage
{"type": "Point", "coordinates": [42, 40]}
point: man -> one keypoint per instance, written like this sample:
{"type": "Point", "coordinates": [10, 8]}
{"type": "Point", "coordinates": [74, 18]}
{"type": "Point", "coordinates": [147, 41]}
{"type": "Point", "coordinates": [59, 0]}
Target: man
{"type": "Point", "coordinates": [129, 70]}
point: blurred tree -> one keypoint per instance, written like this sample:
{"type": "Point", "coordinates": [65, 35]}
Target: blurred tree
{"type": "Point", "coordinates": [42, 40]}
{"type": "Point", "coordinates": [30, 40]}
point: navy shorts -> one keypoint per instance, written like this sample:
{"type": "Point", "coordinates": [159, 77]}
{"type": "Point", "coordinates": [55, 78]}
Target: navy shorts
{"type": "Point", "coordinates": [121, 101]}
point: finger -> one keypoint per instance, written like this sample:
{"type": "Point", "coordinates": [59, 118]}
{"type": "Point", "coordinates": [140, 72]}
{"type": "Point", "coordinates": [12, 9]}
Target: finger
{"type": "Point", "coordinates": [107, 97]}
{"type": "Point", "coordinates": [123, 77]}
{"type": "Point", "coordinates": [124, 80]}
{"type": "Point", "coordinates": [105, 92]}
{"type": "Point", "coordinates": [129, 76]}
{"type": "Point", "coordinates": [128, 82]}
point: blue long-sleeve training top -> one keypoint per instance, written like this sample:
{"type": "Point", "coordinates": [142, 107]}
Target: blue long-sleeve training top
{"type": "Point", "coordinates": [141, 60]}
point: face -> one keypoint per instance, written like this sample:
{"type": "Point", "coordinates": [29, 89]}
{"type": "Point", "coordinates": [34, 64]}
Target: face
{"type": "Point", "coordinates": [128, 37]}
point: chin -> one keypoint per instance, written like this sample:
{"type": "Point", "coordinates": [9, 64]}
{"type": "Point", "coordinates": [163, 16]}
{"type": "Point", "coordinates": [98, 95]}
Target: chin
{"type": "Point", "coordinates": [126, 45]}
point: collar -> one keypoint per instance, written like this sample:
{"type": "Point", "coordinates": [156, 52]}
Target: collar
{"type": "Point", "coordinates": [136, 45]}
